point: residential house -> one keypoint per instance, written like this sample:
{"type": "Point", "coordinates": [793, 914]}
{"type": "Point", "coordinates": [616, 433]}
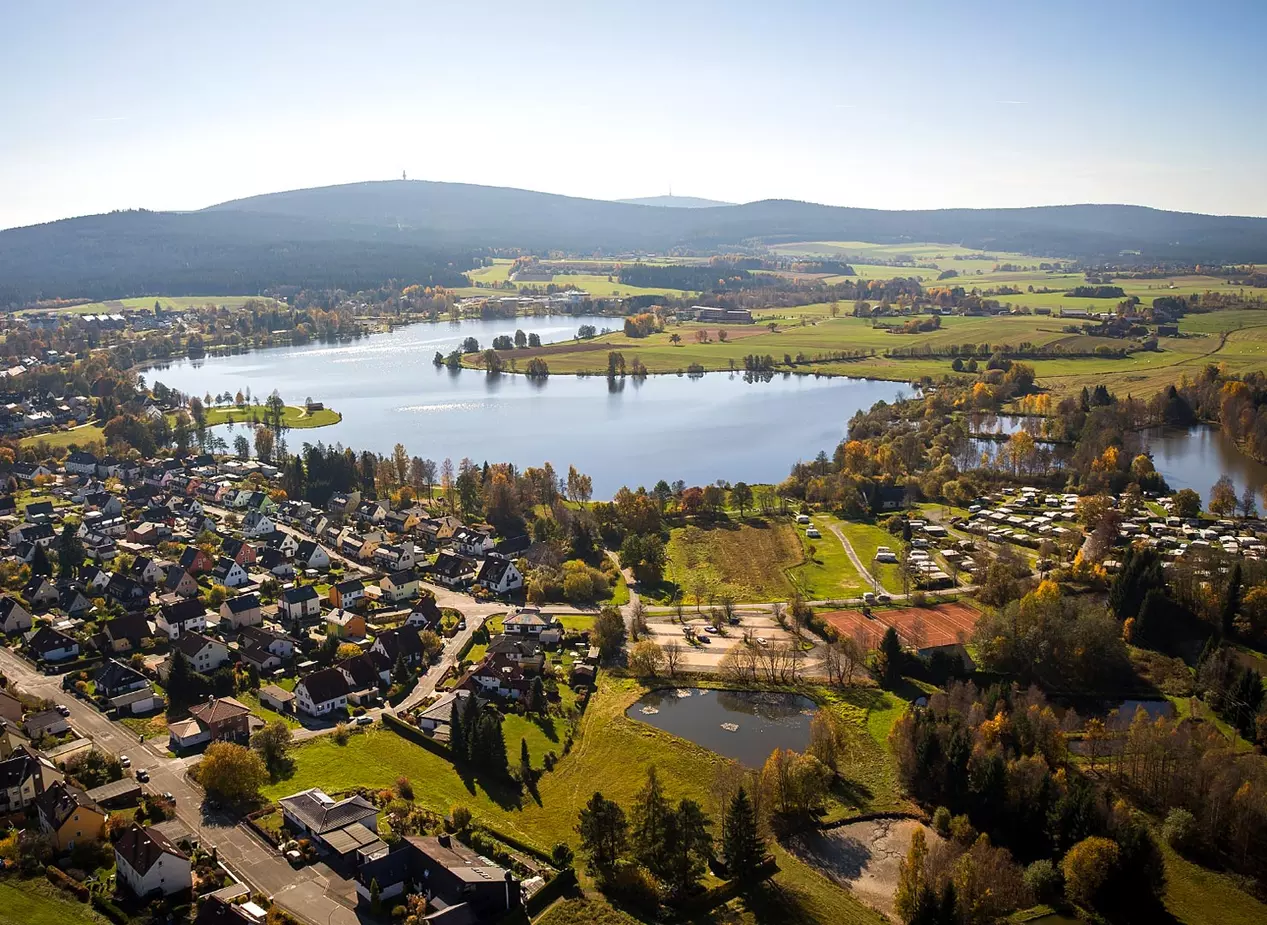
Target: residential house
{"type": "Point", "coordinates": [29, 472]}
{"type": "Point", "coordinates": [99, 547]}
{"type": "Point", "coordinates": [40, 592]}
{"type": "Point", "coordinates": [38, 512]}
{"type": "Point", "coordinates": [105, 503]}
{"type": "Point", "coordinates": [240, 611]}
{"type": "Point", "coordinates": [49, 645]}
{"type": "Point", "coordinates": [275, 562]}
{"type": "Point", "coordinates": [14, 618]}
{"type": "Point", "coordinates": [72, 599]}
{"type": "Point", "coordinates": [146, 862]}
{"type": "Point", "coordinates": [128, 594]}
{"type": "Point", "coordinates": [345, 624]}
{"type": "Point", "coordinates": [322, 692]}
{"type": "Point", "coordinates": [203, 653]}
{"type": "Point", "coordinates": [265, 649]}
{"type": "Point", "coordinates": [425, 615]}
{"type": "Point", "coordinates": [180, 582]}
{"type": "Point", "coordinates": [365, 673]}
{"type": "Point", "coordinates": [69, 816]}
{"type": "Point", "coordinates": [45, 723]}
{"type": "Point", "coordinates": [471, 542]}
{"type": "Point", "coordinates": [21, 781]}
{"type": "Point", "coordinates": [115, 678]}
{"type": "Point", "coordinates": [147, 571]}
{"type": "Point", "coordinates": [95, 579]}
{"type": "Point", "coordinates": [453, 877]}
{"type": "Point", "coordinates": [400, 586]}
{"type": "Point", "coordinates": [393, 557]}
{"type": "Point", "coordinates": [196, 561]}
{"type": "Point", "coordinates": [347, 594]}
{"type": "Point", "coordinates": [500, 676]}
{"type": "Point", "coordinates": [229, 573]}
{"type": "Point", "coordinates": [451, 571]}
{"type": "Point", "coordinates": [256, 524]}
{"type": "Point", "coordinates": [225, 718]}
{"type": "Point", "coordinates": [372, 512]}
{"type": "Point", "coordinates": [339, 827]}
{"type": "Point", "coordinates": [81, 463]}
{"type": "Point", "coordinates": [401, 642]}
{"type": "Point", "coordinates": [182, 617]}
{"type": "Point", "coordinates": [528, 621]}
{"type": "Point", "coordinates": [240, 551]}
{"type": "Point", "coordinates": [525, 652]}
{"type": "Point", "coordinates": [41, 534]}
{"type": "Point", "coordinates": [437, 717]}
{"type": "Point", "coordinates": [127, 633]}
{"type": "Point", "coordinates": [498, 575]}
{"type": "Point", "coordinates": [300, 605]}
{"type": "Point", "coordinates": [312, 555]}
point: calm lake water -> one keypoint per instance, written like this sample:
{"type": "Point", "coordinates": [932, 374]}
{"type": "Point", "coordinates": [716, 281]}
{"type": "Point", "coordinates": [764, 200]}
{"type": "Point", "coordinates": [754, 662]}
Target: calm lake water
{"type": "Point", "coordinates": [626, 433]}
{"type": "Point", "coordinates": [1189, 457]}
{"type": "Point", "coordinates": [765, 720]}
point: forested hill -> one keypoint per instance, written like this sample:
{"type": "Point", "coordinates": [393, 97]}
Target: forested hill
{"type": "Point", "coordinates": [676, 202]}
{"type": "Point", "coordinates": [363, 233]}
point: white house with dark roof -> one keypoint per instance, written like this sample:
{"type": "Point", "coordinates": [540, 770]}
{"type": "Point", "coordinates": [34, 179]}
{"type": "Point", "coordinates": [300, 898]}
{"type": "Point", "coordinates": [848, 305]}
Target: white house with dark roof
{"type": "Point", "coordinates": [334, 826]}
{"type": "Point", "coordinates": [322, 692]}
{"type": "Point", "coordinates": [300, 604]}
{"type": "Point", "coordinates": [147, 863]}
{"type": "Point", "coordinates": [187, 616]}
{"type": "Point", "coordinates": [243, 610]}
{"type": "Point", "coordinates": [499, 575]}
{"type": "Point", "coordinates": [205, 654]}
{"type": "Point", "coordinates": [14, 618]}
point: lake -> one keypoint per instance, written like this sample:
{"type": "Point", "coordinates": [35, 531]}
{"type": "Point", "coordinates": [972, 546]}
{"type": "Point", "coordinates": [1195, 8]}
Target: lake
{"type": "Point", "coordinates": [631, 432]}
{"type": "Point", "coordinates": [1188, 457]}
{"type": "Point", "coordinates": [765, 720]}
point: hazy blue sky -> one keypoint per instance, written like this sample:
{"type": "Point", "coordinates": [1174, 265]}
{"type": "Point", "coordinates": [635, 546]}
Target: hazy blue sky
{"type": "Point", "coordinates": [885, 104]}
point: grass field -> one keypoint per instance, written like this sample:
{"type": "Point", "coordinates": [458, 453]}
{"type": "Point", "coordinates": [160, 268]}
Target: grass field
{"type": "Point", "coordinates": [1197, 896]}
{"type": "Point", "coordinates": [597, 285]}
{"type": "Point", "coordinates": [76, 436]}
{"type": "Point", "coordinates": [37, 902]}
{"type": "Point", "coordinates": [830, 573]}
{"type": "Point", "coordinates": [612, 754]}
{"type": "Point", "coordinates": [748, 561]}
{"type": "Point", "coordinates": [169, 303]}
{"type": "Point", "coordinates": [866, 539]}
{"type": "Point", "coordinates": [293, 417]}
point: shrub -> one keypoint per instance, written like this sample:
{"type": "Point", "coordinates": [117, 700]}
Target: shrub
{"type": "Point", "coordinates": [1180, 829]}
{"type": "Point", "coordinates": [460, 817]}
{"type": "Point", "coordinates": [961, 830]}
{"type": "Point", "coordinates": [561, 856]}
{"type": "Point", "coordinates": [341, 734]}
{"type": "Point", "coordinates": [1044, 881]}
{"type": "Point", "coordinates": [941, 822]}
{"type": "Point", "coordinates": [1088, 867]}
{"type": "Point", "coordinates": [404, 788]}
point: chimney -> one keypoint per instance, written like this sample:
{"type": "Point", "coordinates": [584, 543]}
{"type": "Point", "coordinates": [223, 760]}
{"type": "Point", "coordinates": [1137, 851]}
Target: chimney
{"type": "Point", "coordinates": [443, 839]}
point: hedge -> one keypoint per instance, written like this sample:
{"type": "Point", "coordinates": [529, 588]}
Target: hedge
{"type": "Point", "coordinates": [415, 735]}
{"type": "Point", "coordinates": [58, 878]}
{"type": "Point", "coordinates": [110, 910]}
{"type": "Point", "coordinates": [537, 902]}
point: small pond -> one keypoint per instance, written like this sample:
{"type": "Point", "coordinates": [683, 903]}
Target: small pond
{"type": "Point", "coordinates": [743, 725]}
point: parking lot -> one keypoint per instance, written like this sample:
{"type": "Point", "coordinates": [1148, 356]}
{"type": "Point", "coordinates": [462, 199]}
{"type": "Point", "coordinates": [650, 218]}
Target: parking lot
{"type": "Point", "coordinates": [707, 655]}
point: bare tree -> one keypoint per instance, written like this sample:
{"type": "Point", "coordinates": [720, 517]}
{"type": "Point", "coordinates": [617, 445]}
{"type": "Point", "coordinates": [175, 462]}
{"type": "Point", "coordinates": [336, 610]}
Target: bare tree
{"type": "Point", "coordinates": [672, 657]}
{"type": "Point", "coordinates": [638, 619]}
{"type": "Point", "coordinates": [831, 663]}
{"type": "Point", "coordinates": [779, 614]}
{"type": "Point", "coordinates": [851, 659]}
{"type": "Point", "coordinates": [727, 601]}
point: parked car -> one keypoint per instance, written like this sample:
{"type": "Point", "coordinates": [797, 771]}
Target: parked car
{"type": "Point", "coordinates": [802, 518]}
{"type": "Point", "coordinates": [125, 761]}
{"type": "Point", "coordinates": [761, 641]}
{"type": "Point", "coordinates": [142, 775]}
{"type": "Point", "coordinates": [869, 598]}
{"type": "Point", "coordinates": [364, 720]}
{"type": "Point", "coordinates": [883, 598]}
{"type": "Point", "coordinates": [63, 709]}
{"type": "Point", "coordinates": [710, 628]}
{"type": "Point", "coordinates": [813, 533]}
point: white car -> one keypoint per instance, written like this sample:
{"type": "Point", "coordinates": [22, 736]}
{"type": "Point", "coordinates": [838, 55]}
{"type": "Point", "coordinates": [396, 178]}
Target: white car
{"type": "Point", "coordinates": [710, 629]}
{"type": "Point", "coordinates": [125, 761]}
{"type": "Point", "coordinates": [761, 640]}
{"type": "Point", "coordinates": [813, 533]}
{"type": "Point", "coordinates": [802, 518]}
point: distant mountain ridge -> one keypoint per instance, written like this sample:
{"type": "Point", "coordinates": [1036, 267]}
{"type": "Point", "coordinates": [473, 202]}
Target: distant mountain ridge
{"type": "Point", "coordinates": [676, 202]}
{"type": "Point", "coordinates": [360, 234]}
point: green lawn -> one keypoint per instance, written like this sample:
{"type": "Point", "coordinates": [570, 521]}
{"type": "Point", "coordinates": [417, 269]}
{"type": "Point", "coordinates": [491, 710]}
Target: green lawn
{"type": "Point", "coordinates": [1197, 896]}
{"type": "Point", "coordinates": [866, 539]}
{"type": "Point", "coordinates": [37, 902]}
{"type": "Point", "coordinates": [293, 417]}
{"type": "Point", "coordinates": [612, 754]}
{"type": "Point", "coordinates": [830, 574]}
{"type": "Point", "coordinates": [542, 734]}
{"type": "Point", "coordinates": [76, 436]}
{"type": "Point", "coordinates": [748, 561]}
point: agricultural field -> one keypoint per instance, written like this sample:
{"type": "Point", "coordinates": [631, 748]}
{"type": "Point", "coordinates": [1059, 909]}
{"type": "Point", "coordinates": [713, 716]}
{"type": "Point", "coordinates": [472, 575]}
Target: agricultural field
{"type": "Point", "coordinates": [748, 561]}
{"type": "Point", "coordinates": [1237, 338]}
{"type": "Point", "coordinates": [943, 255]}
{"type": "Point", "coordinates": [597, 285]}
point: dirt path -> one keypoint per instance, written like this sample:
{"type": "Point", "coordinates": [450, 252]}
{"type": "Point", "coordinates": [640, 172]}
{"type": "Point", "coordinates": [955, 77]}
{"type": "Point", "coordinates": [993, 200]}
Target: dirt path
{"type": "Point", "coordinates": [853, 557]}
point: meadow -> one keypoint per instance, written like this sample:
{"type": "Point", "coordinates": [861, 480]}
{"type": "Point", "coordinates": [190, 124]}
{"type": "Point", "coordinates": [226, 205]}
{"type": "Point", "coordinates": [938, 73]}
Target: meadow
{"type": "Point", "coordinates": [748, 561]}
{"type": "Point", "coordinates": [146, 304]}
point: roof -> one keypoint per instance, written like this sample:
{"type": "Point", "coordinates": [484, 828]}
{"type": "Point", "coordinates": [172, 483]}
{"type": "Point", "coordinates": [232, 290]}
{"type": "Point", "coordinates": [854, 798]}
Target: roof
{"type": "Point", "coordinates": [493, 569]}
{"type": "Point", "coordinates": [353, 837]}
{"type": "Point", "coordinates": [528, 618]}
{"type": "Point", "coordinates": [279, 694]}
{"type": "Point", "coordinates": [17, 768]}
{"type": "Point", "coordinates": [133, 627]}
{"type": "Point", "coordinates": [457, 859]}
{"type": "Point", "coordinates": [363, 670]}
{"type": "Point", "coordinates": [182, 611]}
{"type": "Point", "coordinates": [114, 673]}
{"type": "Point", "coordinates": [46, 639]}
{"type": "Point", "coordinates": [326, 684]}
{"type": "Point", "coordinates": [349, 586]}
{"type": "Point", "coordinates": [451, 566]}
{"type": "Point", "coordinates": [141, 847]}
{"type": "Point", "coordinates": [300, 594]}
{"type": "Point", "coordinates": [114, 790]}
{"type": "Point", "coordinates": [219, 710]}
{"type": "Point", "coordinates": [192, 643]}
{"type": "Point", "coordinates": [321, 814]}
{"type": "Point", "coordinates": [60, 800]}
{"type": "Point", "coordinates": [442, 710]}
{"type": "Point", "coordinates": [184, 728]}
{"type": "Point", "coordinates": [401, 640]}
{"type": "Point", "coordinates": [242, 603]}
{"type": "Point", "coordinates": [403, 577]}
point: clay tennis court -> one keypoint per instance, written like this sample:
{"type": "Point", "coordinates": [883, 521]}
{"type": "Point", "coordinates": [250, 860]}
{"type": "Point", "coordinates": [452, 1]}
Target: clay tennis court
{"type": "Point", "coordinates": [919, 626]}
